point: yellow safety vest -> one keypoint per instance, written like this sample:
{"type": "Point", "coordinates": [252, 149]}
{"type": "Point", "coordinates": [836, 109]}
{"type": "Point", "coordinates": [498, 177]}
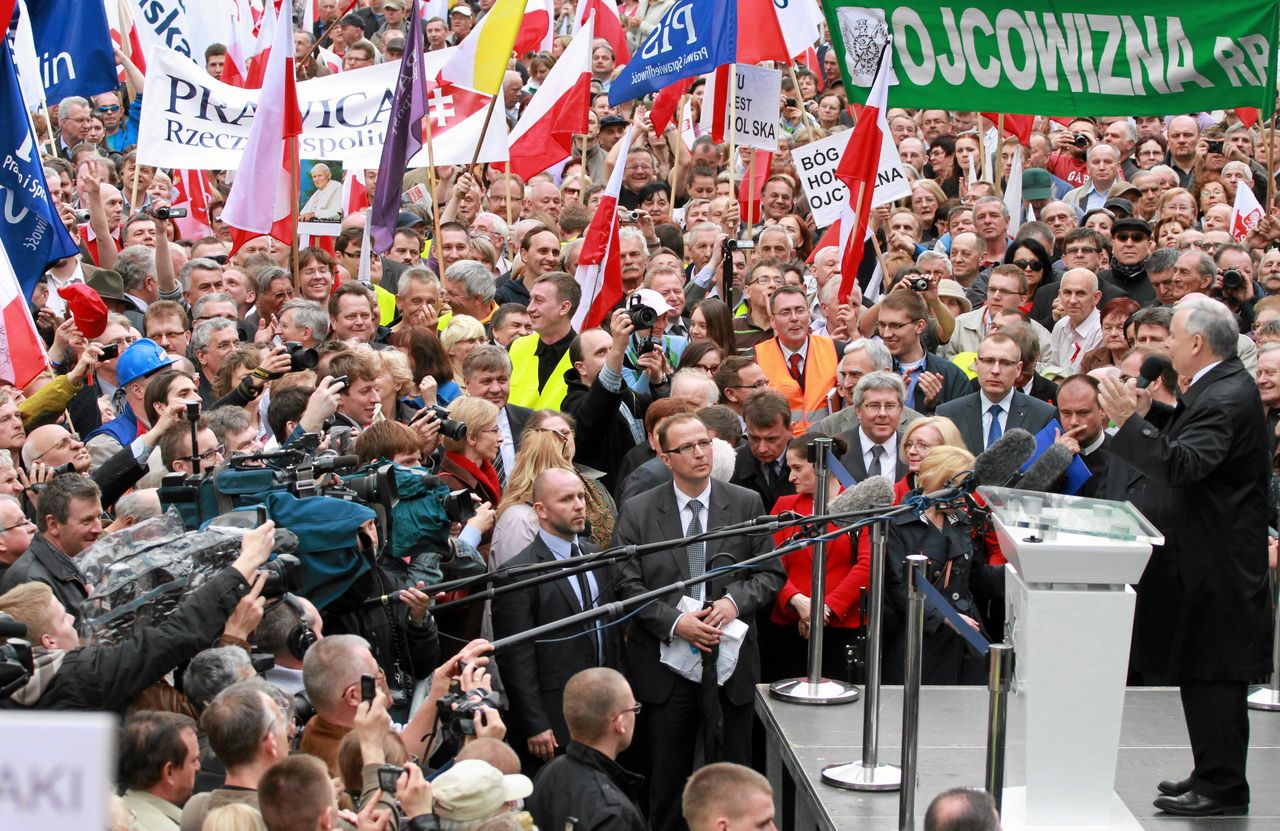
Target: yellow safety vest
{"type": "Point", "coordinates": [524, 377]}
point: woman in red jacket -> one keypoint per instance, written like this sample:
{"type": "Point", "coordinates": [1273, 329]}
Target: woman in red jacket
{"type": "Point", "coordinates": [844, 581]}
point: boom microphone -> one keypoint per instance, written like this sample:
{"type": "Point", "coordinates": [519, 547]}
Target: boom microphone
{"type": "Point", "coordinates": [1047, 469]}
{"type": "Point", "coordinates": [1000, 463]}
{"type": "Point", "coordinates": [1152, 368]}
{"type": "Point", "coordinates": [872, 492]}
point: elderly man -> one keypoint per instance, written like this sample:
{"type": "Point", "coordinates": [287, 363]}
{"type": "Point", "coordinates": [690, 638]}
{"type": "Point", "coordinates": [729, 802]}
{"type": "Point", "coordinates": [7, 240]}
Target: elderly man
{"type": "Point", "coordinates": [211, 342]}
{"type": "Point", "coordinates": [17, 533]}
{"type": "Point", "coordinates": [303, 321]}
{"type": "Point", "coordinates": [469, 288]}
{"type": "Point", "coordinates": [325, 202]}
{"type": "Point", "coordinates": [69, 513]}
{"type": "Point", "coordinates": [159, 758]}
{"type": "Point", "coordinates": [73, 124]}
{"type": "Point", "coordinates": [991, 224]}
{"type": "Point", "coordinates": [800, 365]}
{"type": "Point", "coordinates": [1202, 616]}
{"type": "Point", "coordinates": [1103, 162]}
{"type": "Point", "coordinates": [997, 407]}
{"type": "Point", "coordinates": [877, 401]}
{"type": "Point", "coordinates": [1080, 327]}
{"type": "Point", "coordinates": [331, 674]}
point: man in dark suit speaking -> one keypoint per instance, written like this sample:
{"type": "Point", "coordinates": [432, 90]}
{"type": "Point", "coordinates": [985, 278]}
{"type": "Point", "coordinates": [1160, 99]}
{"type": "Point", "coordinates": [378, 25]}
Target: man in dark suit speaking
{"type": "Point", "coordinates": [536, 673]}
{"type": "Point", "coordinates": [675, 708]}
{"type": "Point", "coordinates": [986, 415]}
{"type": "Point", "coordinates": [1201, 618]}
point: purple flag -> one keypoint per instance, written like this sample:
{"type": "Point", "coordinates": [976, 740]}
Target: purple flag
{"type": "Point", "coordinates": [404, 135]}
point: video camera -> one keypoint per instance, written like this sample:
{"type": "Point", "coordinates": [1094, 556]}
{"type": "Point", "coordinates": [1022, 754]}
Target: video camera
{"type": "Point", "coordinates": [457, 709]}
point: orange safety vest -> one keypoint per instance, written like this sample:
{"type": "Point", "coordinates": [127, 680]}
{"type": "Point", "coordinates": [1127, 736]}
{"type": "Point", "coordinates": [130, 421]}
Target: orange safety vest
{"type": "Point", "coordinates": [810, 405]}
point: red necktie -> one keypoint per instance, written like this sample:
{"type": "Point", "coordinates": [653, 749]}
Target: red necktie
{"type": "Point", "coordinates": [796, 373]}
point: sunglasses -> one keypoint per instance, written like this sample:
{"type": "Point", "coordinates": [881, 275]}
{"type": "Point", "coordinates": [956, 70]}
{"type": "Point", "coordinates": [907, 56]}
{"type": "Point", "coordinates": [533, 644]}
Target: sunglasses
{"type": "Point", "coordinates": [1034, 265]}
{"type": "Point", "coordinates": [1128, 237]}
{"type": "Point", "coordinates": [113, 108]}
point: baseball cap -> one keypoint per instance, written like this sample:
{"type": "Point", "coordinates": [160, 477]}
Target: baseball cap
{"type": "Point", "coordinates": [473, 789]}
{"type": "Point", "coordinates": [407, 219]}
{"type": "Point", "coordinates": [653, 300]}
{"type": "Point", "coordinates": [395, 4]}
{"type": "Point", "coordinates": [352, 20]}
{"type": "Point", "coordinates": [462, 9]}
{"type": "Point", "coordinates": [1119, 206]}
{"type": "Point", "coordinates": [1131, 223]}
{"type": "Point", "coordinates": [1037, 183]}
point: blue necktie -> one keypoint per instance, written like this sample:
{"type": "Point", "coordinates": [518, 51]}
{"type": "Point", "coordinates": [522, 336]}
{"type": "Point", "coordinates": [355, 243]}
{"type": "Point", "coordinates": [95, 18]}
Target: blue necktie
{"type": "Point", "coordinates": [994, 431]}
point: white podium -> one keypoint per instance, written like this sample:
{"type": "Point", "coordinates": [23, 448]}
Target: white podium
{"type": "Point", "coordinates": [1069, 615]}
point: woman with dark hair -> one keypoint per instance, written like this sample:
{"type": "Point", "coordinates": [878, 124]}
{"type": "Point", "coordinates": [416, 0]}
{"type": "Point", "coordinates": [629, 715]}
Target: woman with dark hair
{"type": "Point", "coordinates": [421, 345]}
{"type": "Point", "coordinates": [711, 320]}
{"type": "Point", "coordinates": [1115, 345]}
{"type": "Point", "coordinates": [788, 627]}
{"type": "Point", "coordinates": [801, 234]}
{"type": "Point", "coordinates": [942, 165]}
{"type": "Point", "coordinates": [1150, 151]}
{"type": "Point", "coordinates": [703, 354]}
{"type": "Point", "coordinates": [1035, 262]}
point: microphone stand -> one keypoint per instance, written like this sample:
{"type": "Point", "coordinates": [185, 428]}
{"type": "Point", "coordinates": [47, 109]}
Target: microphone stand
{"type": "Point", "coordinates": [813, 688]}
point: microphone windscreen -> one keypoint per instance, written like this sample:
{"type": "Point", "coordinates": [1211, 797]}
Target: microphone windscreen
{"type": "Point", "coordinates": [872, 492]}
{"type": "Point", "coordinates": [1047, 469]}
{"type": "Point", "coordinates": [1005, 457]}
{"type": "Point", "coordinates": [1152, 368]}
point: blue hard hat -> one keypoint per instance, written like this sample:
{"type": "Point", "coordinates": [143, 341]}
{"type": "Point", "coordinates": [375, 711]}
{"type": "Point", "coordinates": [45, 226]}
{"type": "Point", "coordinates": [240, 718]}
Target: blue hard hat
{"type": "Point", "coordinates": [143, 357]}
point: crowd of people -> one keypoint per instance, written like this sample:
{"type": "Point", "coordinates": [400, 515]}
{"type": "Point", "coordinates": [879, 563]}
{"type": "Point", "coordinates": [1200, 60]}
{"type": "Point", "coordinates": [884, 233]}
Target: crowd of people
{"type": "Point", "coordinates": [180, 354]}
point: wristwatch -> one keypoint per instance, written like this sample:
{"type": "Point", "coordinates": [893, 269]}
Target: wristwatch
{"type": "Point", "coordinates": [424, 822]}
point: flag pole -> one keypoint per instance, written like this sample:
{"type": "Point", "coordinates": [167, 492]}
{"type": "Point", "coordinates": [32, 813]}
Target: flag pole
{"type": "Point", "coordinates": [1271, 165]}
{"type": "Point", "coordinates": [133, 191]}
{"type": "Point", "coordinates": [294, 185]}
{"type": "Point", "coordinates": [875, 244]}
{"type": "Point", "coordinates": [751, 191]}
{"type": "Point", "coordinates": [431, 182]}
{"type": "Point", "coordinates": [843, 297]}
{"type": "Point", "coordinates": [493, 103]}
{"type": "Point", "coordinates": [328, 33]}
{"type": "Point", "coordinates": [995, 177]}
{"type": "Point", "coordinates": [733, 151]}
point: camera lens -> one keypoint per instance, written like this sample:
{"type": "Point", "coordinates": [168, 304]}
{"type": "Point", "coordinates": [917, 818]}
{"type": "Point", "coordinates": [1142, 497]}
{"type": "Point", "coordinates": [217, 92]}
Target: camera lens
{"type": "Point", "coordinates": [642, 317]}
{"type": "Point", "coordinates": [301, 358]}
{"type": "Point", "coordinates": [1081, 140]}
{"type": "Point", "coordinates": [1232, 279]}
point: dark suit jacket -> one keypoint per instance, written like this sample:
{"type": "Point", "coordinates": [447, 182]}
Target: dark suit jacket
{"type": "Point", "coordinates": [1042, 389]}
{"type": "Point", "coordinates": [1208, 616]}
{"type": "Point", "coordinates": [653, 516]}
{"type": "Point", "coordinates": [954, 382]}
{"type": "Point", "coordinates": [534, 674]}
{"type": "Point", "coordinates": [857, 467]}
{"type": "Point", "coordinates": [1024, 411]}
{"type": "Point", "coordinates": [646, 477]}
{"type": "Point", "coordinates": [748, 473]}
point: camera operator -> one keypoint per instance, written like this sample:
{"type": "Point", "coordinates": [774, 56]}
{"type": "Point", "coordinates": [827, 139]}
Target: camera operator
{"type": "Point", "coordinates": [1234, 284]}
{"type": "Point", "coordinates": [179, 457]}
{"type": "Point", "coordinates": [69, 676]}
{"type": "Point", "coordinates": [290, 626]}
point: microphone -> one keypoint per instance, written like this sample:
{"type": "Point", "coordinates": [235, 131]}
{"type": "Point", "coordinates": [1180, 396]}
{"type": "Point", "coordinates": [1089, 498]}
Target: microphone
{"type": "Point", "coordinates": [1152, 368]}
{"type": "Point", "coordinates": [1047, 469]}
{"type": "Point", "coordinates": [999, 464]}
{"type": "Point", "coordinates": [872, 492]}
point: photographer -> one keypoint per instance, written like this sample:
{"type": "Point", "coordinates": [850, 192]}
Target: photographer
{"type": "Point", "coordinates": [651, 353]}
{"type": "Point", "coordinates": [1234, 284]}
{"type": "Point", "coordinates": [69, 676]}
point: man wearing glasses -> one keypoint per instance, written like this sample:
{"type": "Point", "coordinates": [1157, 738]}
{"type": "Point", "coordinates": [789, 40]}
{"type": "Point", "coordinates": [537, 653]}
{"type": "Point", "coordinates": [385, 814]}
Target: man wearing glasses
{"type": "Point", "coordinates": [675, 707]}
{"type": "Point", "coordinates": [756, 326]}
{"type": "Point", "coordinates": [930, 379]}
{"type": "Point", "coordinates": [16, 532]}
{"type": "Point", "coordinates": [984, 416]}
{"type": "Point", "coordinates": [178, 457]}
{"type": "Point", "coordinates": [73, 124]}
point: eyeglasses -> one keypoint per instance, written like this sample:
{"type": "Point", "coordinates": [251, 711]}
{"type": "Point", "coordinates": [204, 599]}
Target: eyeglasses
{"type": "Point", "coordinates": [918, 445]}
{"type": "Point", "coordinates": [24, 523]}
{"type": "Point", "coordinates": [999, 363]}
{"type": "Point", "coordinates": [882, 326]}
{"type": "Point", "coordinates": [1082, 249]}
{"type": "Point", "coordinates": [110, 108]}
{"type": "Point", "coordinates": [758, 385]}
{"type": "Point", "coordinates": [767, 280]}
{"type": "Point", "coordinates": [996, 291]}
{"type": "Point", "coordinates": [65, 443]}
{"type": "Point", "coordinates": [564, 435]}
{"type": "Point", "coordinates": [208, 455]}
{"type": "Point", "coordinates": [635, 709]}
{"type": "Point", "coordinates": [881, 407]}
{"type": "Point", "coordinates": [703, 445]}
{"type": "Point", "coordinates": [1029, 265]}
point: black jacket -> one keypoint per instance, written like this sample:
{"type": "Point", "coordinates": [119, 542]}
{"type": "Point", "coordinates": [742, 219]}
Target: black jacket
{"type": "Point", "coordinates": [748, 473]}
{"type": "Point", "coordinates": [605, 436]}
{"type": "Point", "coordinates": [110, 677]}
{"type": "Point", "coordinates": [46, 564]}
{"type": "Point", "coordinates": [587, 790]}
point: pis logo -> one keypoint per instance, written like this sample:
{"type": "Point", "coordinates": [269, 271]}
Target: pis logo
{"type": "Point", "coordinates": [678, 17]}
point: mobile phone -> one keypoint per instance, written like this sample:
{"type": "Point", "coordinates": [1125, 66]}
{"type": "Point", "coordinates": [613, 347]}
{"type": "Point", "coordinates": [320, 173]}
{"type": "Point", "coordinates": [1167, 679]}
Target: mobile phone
{"type": "Point", "coordinates": [262, 514]}
{"type": "Point", "coordinates": [388, 775]}
{"type": "Point", "coordinates": [110, 351]}
{"type": "Point", "coordinates": [344, 381]}
{"type": "Point", "coordinates": [368, 688]}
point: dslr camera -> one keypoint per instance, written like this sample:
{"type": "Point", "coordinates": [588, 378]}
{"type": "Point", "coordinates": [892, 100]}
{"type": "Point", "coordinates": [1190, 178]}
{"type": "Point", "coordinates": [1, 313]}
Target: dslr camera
{"type": "Point", "coordinates": [1232, 280]}
{"type": "Point", "coordinates": [642, 316]}
{"type": "Point", "coordinates": [1081, 140]}
{"type": "Point", "coordinates": [300, 357]}
{"type": "Point", "coordinates": [450, 428]}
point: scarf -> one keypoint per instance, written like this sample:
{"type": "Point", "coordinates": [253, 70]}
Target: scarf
{"type": "Point", "coordinates": [485, 474]}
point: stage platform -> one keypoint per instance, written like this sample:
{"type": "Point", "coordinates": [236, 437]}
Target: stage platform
{"type": "Point", "coordinates": [953, 723]}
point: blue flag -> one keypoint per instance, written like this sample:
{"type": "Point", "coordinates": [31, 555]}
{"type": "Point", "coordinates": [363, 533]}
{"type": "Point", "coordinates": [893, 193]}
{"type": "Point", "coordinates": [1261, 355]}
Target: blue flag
{"type": "Point", "coordinates": [404, 136]}
{"type": "Point", "coordinates": [31, 231]}
{"type": "Point", "coordinates": [1077, 472]}
{"type": "Point", "coordinates": [73, 45]}
{"type": "Point", "coordinates": [693, 38]}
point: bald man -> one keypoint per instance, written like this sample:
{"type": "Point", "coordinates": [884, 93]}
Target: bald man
{"type": "Point", "coordinates": [586, 788]}
{"type": "Point", "coordinates": [536, 674]}
{"type": "Point", "coordinates": [1080, 327]}
{"type": "Point", "coordinates": [52, 446]}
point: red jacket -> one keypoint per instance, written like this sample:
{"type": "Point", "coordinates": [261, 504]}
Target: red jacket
{"type": "Point", "coordinates": [845, 578]}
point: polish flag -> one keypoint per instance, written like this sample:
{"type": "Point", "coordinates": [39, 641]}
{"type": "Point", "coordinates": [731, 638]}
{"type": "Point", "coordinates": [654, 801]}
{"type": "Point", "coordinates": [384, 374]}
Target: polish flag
{"type": "Point", "coordinates": [24, 357]}
{"type": "Point", "coordinates": [665, 103]}
{"type": "Point", "coordinates": [599, 272]}
{"type": "Point", "coordinates": [193, 190]}
{"type": "Point", "coordinates": [250, 50]}
{"type": "Point", "coordinates": [1015, 125]}
{"type": "Point", "coordinates": [266, 187]}
{"type": "Point", "coordinates": [355, 196]}
{"type": "Point", "coordinates": [1248, 115]}
{"type": "Point", "coordinates": [124, 34]}
{"type": "Point", "coordinates": [857, 169]}
{"type": "Point", "coordinates": [536, 30]}
{"type": "Point", "coordinates": [715, 104]}
{"type": "Point", "coordinates": [1245, 214]}
{"type": "Point", "coordinates": [769, 33]}
{"type": "Point", "coordinates": [608, 25]}
{"type": "Point", "coordinates": [544, 135]}
{"type": "Point", "coordinates": [750, 189]}
{"type": "Point", "coordinates": [809, 59]}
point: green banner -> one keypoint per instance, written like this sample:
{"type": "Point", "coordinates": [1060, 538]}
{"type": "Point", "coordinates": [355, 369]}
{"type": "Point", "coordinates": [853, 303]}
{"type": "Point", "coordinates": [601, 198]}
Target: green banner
{"type": "Point", "coordinates": [1063, 58]}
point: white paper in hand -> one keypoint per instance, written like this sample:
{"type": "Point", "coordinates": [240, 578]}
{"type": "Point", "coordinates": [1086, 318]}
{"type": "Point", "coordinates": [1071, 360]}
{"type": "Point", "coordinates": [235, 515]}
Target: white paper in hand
{"type": "Point", "coordinates": [685, 659]}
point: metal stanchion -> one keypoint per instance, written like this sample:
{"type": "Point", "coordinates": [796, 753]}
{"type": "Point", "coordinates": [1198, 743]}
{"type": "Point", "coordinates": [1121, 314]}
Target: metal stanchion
{"type": "Point", "coordinates": [867, 774]}
{"type": "Point", "coordinates": [999, 682]}
{"type": "Point", "coordinates": [1268, 697]}
{"type": "Point", "coordinates": [814, 689]}
{"type": "Point", "coordinates": [911, 693]}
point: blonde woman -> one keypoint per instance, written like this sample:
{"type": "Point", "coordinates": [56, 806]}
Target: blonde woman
{"type": "Point", "coordinates": [921, 437]}
{"type": "Point", "coordinates": [517, 522]}
{"type": "Point", "coordinates": [463, 334]}
{"type": "Point", "coordinates": [236, 817]}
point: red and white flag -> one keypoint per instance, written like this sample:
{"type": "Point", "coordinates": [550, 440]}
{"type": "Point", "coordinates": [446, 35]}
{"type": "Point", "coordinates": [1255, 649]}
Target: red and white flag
{"type": "Point", "coordinates": [769, 33]}
{"type": "Point", "coordinates": [544, 135]}
{"type": "Point", "coordinates": [1245, 214]}
{"type": "Point", "coordinates": [23, 358]}
{"type": "Point", "coordinates": [124, 34]}
{"type": "Point", "coordinates": [250, 51]}
{"type": "Point", "coordinates": [536, 30]}
{"type": "Point", "coordinates": [262, 198]}
{"type": "Point", "coordinates": [857, 169]}
{"type": "Point", "coordinates": [193, 190]}
{"type": "Point", "coordinates": [664, 105]}
{"type": "Point", "coordinates": [355, 196]}
{"type": "Point", "coordinates": [599, 272]}
{"type": "Point", "coordinates": [715, 104]}
{"type": "Point", "coordinates": [751, 188]}
{"type": "Point", "coordinates": [608, 25]}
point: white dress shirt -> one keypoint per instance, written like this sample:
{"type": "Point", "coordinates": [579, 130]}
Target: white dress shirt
{"type": "Point", "coordinates": [508, 449]}
{"type": "Point", "coordinates": [1070, 343]}
{"type": "Point", "coordinates": [888, 460]}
